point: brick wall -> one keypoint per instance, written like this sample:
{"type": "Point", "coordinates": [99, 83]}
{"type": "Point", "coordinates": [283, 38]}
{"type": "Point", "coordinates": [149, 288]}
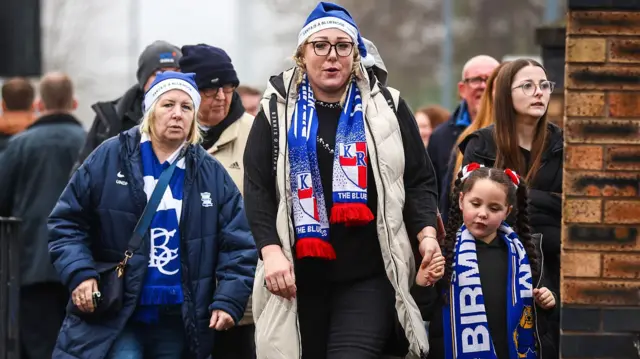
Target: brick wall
{"type": "Point", "coordinates": [601, 219]}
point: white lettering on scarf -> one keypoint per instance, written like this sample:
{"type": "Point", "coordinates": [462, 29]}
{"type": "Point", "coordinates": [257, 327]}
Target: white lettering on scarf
{"type": "Point", "coordinates": [475, 339]}
{"type": "Point", "coordinates": [524, 279]}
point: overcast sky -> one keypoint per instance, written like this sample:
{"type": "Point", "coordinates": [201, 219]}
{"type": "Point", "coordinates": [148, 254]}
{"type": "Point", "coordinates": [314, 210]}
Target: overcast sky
{"type": "Point", "coordinates": [103, 39]}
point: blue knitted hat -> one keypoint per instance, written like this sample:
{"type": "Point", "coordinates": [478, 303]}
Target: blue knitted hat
{"type": "Point", "coordinates": [332, 16]}
{"type": "Point", "coordinates": [170, 80]}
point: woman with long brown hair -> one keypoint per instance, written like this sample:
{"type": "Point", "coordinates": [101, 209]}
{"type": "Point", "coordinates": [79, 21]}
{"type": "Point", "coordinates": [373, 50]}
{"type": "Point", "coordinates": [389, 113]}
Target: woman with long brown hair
{"type": "Point", "coordinates": [482, 120]}
{"type": "Point", "coordinates": [521, 138]}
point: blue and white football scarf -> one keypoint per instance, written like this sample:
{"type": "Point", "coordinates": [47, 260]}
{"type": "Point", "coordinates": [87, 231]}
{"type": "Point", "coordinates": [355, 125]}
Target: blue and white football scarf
{"type": "Point", "coordinates": [349, 181]}
{"type": "Point", "coordinates": [162, 284]}
{"type": "Point", "coordinates": [466, 330]}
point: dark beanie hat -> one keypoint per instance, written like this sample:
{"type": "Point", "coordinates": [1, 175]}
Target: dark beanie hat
{"type": "Point", "coordinates": [212, 66]}
{"type": "Point", "coordinates": [156, 56]}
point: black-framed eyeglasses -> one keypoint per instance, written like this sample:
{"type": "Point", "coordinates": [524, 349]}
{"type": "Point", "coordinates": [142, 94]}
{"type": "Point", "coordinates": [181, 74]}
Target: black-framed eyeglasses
{"type": "Point", "coordinates": [529, 87]}
{"type": "Point", "coordinates": [323, 48]}
{"type": "Point", "coordinates": [213, 91]}
{"type": "Point", "coordinates": [477, 81]}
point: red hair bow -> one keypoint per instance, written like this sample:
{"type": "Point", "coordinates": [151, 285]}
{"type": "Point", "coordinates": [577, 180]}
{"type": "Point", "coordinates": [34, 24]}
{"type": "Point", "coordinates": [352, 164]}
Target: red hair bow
{"type": "Point", "coordinates": [466, 170]}
{"type": "Point", "coordinates": [515, 178]}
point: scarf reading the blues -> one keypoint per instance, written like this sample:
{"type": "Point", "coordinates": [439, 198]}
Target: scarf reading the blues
{"type": "Point", "coordinates": [466, 330]}
{"type": "Point", "coordinates": [349, 173]}
{"type": "Point", "coordinates": [162, 284]}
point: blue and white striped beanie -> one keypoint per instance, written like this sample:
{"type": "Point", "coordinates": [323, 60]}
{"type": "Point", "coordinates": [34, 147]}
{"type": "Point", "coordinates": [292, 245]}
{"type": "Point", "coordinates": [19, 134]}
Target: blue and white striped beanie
{"type": "Point", "coordinates": [332, 16]}
{"type": "Point", "coordinates": [170, 80]}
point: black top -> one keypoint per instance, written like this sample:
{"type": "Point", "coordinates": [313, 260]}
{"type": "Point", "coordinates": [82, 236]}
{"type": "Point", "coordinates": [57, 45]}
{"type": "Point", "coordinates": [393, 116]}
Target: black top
{"type": "Point", "coordinates": [358, 253]}
{"type": "Point", "coordinates": [493, 264]}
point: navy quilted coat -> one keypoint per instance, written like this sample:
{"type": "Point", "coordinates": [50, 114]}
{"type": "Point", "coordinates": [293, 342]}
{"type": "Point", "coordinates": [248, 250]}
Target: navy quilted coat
{"type": "Point", "coordinates": [94, 219]}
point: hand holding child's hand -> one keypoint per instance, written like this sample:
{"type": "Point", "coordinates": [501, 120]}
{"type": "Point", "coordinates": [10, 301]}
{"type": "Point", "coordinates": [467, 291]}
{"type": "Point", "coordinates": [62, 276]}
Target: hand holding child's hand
{"type": "Point", "coordinates": [431, 273]}
{"type": "Point", "coordinates": [544, 298]}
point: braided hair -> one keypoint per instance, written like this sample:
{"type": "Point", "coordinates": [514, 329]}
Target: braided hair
{"type": "Point", "coordinates": [515, 197]}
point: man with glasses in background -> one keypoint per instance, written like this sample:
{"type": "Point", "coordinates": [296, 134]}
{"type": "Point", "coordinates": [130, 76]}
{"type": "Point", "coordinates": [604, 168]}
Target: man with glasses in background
{"type": "Point", "coordinates": [225, 127]}
{"type": "Point", "coordinates": [470, 89]}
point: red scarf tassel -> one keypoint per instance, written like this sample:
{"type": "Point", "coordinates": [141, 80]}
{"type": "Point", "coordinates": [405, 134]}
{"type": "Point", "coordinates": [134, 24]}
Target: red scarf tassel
{"type": "Point", "coordinates": [351, 214]}
{"type": "Point", "coordinates": [314, 247]}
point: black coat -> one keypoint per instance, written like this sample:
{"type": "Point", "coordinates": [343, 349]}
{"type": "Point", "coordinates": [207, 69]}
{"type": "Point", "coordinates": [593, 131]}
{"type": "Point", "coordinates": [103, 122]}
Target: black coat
{"type": "Point", "coordinates": [545, 199]}
{"type": "Point", "coordinates": [112, 117]}
{"type": "Point", "coordinates": [442, 141]}
{"type": "Point", "coordinates": [34, 170]}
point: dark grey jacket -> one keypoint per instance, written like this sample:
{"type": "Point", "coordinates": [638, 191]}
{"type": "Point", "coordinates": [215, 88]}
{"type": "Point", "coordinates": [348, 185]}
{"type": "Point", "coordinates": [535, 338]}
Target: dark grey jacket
{"type": "Point", "coordinates": [34, 169]}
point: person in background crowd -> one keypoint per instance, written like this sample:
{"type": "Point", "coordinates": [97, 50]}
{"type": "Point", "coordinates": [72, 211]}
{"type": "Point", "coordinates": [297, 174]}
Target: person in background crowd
{"type": "Point", "coordinates": [17, 108]}
{"type": "Point", "coordinates": [35, 168]}
{"type": "Point", "coordinates": [121, 114]}
{"type": "Point", "coordinates": [250, 97]}
{"type": "Point", "coordinates": [336, 271]}
{"type": "Point", "coordinates": [226, 126]}
{"type": "Point", "coordinates": [428, 119]}
{"type": "Point", "coordinates": [521, 138]}
{"type": "Point", "coordinates": [193, 272]}
{"type": "Point", "coordinates": [470, 89]}
{"type": "Point", "coordinates": [483, 119]}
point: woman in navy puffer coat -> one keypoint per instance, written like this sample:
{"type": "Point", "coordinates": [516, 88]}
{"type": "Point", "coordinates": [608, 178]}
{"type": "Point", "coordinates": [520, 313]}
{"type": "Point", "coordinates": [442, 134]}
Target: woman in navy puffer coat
{"type": "Point", "coordinates": [179, 287]}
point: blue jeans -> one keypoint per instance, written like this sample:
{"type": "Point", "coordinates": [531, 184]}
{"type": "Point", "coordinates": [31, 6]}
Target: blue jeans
{"type": "Point", "coordinates": [164, 340]}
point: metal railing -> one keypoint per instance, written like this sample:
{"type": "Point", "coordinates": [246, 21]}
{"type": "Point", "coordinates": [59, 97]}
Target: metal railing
{"type": "Point", "coordinates": [9, 288]}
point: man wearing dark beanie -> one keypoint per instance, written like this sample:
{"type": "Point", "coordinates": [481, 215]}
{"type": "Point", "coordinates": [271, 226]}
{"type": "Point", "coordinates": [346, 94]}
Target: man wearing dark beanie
{"type": "Point", "coordinates": [225, 126]}
{"type": "Point", "coordinates": [121, 114]}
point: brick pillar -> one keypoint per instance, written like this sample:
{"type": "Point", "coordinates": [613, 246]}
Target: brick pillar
{"type": "Point", "coordinates": [601, 220]}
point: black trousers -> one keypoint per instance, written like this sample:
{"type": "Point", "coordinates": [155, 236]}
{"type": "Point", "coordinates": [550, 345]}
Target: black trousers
{"type": "Point", "coordinates": [352, 320]}
{"type": "Point", "coordinates": [42, 310]}
{"type": "Point", "coordinates": [235, 343]}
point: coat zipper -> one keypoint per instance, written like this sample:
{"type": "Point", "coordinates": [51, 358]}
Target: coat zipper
{"type": "Point", "coordinates": [286, 201]}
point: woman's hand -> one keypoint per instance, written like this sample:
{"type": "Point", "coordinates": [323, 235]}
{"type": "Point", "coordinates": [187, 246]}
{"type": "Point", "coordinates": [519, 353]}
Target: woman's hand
{"type": "Point", "coordinates": [431, 273]}
{"type": "Point", "coordinates": [278, 272]}
{"type": "Point", "coordinates": [544, 298]}
{"type": "Point", "coordinates": [220, 320]}
{"type": "Point", "coordinates": [82, 296]}
{"type": "Point", "coordinates": [429, 245]}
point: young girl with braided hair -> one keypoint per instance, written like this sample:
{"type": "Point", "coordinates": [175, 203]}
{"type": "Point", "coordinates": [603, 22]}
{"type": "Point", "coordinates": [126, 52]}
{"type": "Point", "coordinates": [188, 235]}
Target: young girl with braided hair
{"type": "Point", "coordinates": [490, 302]}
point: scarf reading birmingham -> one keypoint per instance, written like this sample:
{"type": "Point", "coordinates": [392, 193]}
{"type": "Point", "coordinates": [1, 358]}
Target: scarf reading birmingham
{"type": "Point", "coordinates": [466, 330]}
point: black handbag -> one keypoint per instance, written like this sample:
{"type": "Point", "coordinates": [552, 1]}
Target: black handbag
{"type": "Point", "coordinates": [108, 301]}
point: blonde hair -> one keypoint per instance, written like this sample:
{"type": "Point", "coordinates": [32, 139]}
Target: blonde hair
{"type": "Point", "coordinates": [146, 126]}
{"type": "Point", "coordinates": [298, 57]}
{"type": "Point", "coordinates": [483, 119]}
